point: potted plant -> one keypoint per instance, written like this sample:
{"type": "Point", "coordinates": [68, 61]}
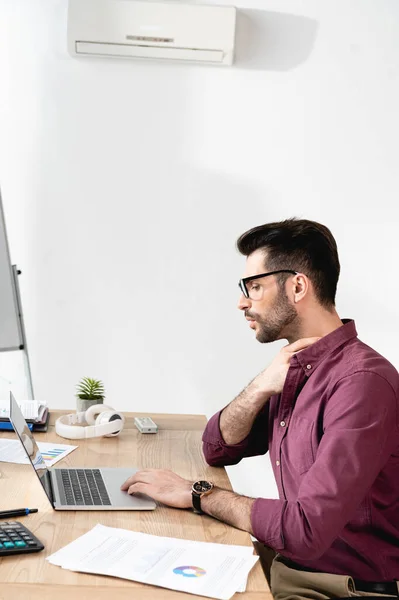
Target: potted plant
{"type": "Point", "coordinates": [89, 392]}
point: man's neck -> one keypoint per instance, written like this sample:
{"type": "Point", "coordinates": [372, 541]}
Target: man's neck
{"type": "Point", "coordinates": [317, 324]}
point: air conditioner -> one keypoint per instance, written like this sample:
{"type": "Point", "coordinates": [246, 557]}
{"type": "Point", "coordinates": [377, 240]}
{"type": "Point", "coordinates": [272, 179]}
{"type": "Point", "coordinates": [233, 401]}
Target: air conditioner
{"type": "Point", "coordinates": [161, 30]}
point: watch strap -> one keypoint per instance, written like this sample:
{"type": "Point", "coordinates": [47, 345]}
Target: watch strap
{"type": "Point", "coordinates": [196, 498]}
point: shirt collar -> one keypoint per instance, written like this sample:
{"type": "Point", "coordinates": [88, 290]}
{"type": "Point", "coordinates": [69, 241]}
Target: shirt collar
{"type": "Point", "coordinates": [312, 356]}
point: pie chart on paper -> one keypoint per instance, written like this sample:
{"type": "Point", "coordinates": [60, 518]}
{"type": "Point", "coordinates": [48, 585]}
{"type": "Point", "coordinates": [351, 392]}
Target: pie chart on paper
{"type": "Point", "coordinates": [189, 571]}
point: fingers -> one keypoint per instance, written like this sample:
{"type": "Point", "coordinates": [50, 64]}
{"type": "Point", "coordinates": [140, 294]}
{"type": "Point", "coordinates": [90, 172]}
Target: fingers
{"type": "Point", "coordinates": [137, 488]}
{"type": "Point", "coordinates": [140, 476]}
{"type": "Point", "coordinates": [143, 476]}
{"type": "Point", "coordinates": [301, 344]}
{"type": "Point", "coordinates": [127, 484]}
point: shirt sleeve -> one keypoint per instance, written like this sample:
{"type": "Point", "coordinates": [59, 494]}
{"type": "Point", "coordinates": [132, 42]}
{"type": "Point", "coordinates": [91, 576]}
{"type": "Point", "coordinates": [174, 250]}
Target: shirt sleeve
{"type": "Point", "coordinates": [219, 454]}
{"type": "Point", "coordinates": [360, 433]}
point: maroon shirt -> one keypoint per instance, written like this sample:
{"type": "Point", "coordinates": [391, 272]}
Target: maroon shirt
{"type": "Point", "coordinates": [333, 438]}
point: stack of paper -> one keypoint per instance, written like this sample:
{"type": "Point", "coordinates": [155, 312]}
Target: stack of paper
{"type": "Point", "coordinates": [213, 570]}
{"type": "Point", "coordinates": [32, 410]}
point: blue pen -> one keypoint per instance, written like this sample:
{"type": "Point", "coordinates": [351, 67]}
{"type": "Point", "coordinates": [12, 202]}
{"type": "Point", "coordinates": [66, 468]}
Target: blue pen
{"type": "Point", "coordinates": [16, 512]}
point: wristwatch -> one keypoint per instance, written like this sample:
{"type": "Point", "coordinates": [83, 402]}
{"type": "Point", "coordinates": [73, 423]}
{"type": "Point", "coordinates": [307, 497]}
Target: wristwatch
{"type": "Point", "coordinates": [200, 488]}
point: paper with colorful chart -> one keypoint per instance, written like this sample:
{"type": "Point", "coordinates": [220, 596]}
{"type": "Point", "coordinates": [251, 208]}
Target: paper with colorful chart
{"type": "Point", "coordinates": [206, 569]}
{"type": "Point", "coordinates": [12, 451]}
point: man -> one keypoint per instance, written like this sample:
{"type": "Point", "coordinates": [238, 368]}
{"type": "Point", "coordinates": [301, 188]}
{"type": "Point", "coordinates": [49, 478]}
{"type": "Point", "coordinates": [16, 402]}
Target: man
{"type": "Point", "coordinates": [326, 409]}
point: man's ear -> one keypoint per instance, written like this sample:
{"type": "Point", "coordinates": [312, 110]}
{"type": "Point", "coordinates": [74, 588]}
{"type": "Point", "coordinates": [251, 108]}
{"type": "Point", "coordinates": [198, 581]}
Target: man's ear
{"type": "Point", "coordinates": [300, 288]}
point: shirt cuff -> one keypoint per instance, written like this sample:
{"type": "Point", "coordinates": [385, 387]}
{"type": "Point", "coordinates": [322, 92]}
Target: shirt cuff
{"type": "Point", "coordinates": [266, 521]}
{"type": "Point", "coordinates": [216, 452]}
{"type": "Point", "coordinates": [213, 435]}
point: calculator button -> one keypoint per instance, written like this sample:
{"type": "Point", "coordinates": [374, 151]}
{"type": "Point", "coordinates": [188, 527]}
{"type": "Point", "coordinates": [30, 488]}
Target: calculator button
{"type": "Point", "coordinates": [31, 543]}
{"type": "Point", "coordinates": [20, 544]}
{"type": "Point", "coordinates": [9, 545]}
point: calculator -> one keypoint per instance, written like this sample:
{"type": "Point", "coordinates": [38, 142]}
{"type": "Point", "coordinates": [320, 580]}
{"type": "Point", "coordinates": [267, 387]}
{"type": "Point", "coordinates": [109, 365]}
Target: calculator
{"type": "Point", "coordinates": [15, 538]}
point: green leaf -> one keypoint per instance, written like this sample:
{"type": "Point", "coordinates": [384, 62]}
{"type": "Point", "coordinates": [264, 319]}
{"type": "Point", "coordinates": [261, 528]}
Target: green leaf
{"type": "Point", "coordinates": [89, 388]}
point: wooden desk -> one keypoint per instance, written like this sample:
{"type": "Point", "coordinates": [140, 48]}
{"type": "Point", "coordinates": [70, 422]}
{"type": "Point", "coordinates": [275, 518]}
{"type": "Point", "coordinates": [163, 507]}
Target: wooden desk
{"type": "Point", "coordinates": [177, 446]}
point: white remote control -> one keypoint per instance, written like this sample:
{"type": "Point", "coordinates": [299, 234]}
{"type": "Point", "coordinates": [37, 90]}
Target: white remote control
{"type": "Point", "coordinates": [145, 425]}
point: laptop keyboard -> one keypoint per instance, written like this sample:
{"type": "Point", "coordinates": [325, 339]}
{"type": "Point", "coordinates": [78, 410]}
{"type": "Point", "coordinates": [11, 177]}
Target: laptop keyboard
{"type": "Point", "coordinates": [84, 487]}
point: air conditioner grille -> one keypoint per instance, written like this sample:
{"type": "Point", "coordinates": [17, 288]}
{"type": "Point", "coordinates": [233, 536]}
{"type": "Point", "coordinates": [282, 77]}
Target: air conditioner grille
{"type": "Point", "coordinates": [147, 38]}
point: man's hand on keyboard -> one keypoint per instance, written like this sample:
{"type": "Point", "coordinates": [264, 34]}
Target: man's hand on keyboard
{"type": "Point", "coordinates": [161, 485]}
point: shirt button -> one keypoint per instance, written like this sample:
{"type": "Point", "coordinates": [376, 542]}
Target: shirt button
{"type": "Point", "coordinates": [282, 423]}
{"type": "Point", "coordinates": [308, 366]}
{"type": "Point", "coordinates": [278, 463]}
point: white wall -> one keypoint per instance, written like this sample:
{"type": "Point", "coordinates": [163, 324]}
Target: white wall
{"type": "Point", "coordinates": [125, 185]}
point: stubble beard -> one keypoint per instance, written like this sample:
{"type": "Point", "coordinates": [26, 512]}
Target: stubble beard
{"type": "Point", "coordinates": [281, 321]}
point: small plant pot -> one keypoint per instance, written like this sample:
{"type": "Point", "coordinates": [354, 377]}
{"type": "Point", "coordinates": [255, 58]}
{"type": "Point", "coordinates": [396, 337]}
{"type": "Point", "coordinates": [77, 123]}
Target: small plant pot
{"type": "Point", "coordinates": [83, 405]}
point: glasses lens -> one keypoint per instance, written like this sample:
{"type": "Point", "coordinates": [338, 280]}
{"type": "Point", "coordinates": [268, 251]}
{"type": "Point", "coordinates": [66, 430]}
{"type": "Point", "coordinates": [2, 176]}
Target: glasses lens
{"type": "Point", "coordinates": [255, 290]}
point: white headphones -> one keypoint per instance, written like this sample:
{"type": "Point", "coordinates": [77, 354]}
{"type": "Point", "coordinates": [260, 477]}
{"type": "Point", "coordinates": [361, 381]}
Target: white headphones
{"type": "Point", "coordinates": [101, 420]}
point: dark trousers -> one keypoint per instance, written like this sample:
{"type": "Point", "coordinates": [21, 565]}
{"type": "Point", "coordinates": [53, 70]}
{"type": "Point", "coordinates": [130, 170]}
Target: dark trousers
{"type": "Point", "coordinates": [291, 584]}
{"type": "Point", "coordinates": [266, 556]}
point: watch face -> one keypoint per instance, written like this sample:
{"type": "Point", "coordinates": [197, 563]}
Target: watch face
{"type": "Point", "coordinates": [202, 486]}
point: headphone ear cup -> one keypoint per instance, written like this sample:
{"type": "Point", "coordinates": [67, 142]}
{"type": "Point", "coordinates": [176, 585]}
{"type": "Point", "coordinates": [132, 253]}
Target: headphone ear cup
{"type": "Point", "coordinates": [93, 412]}
{"type": "Point", "coordinates": [107, 417]}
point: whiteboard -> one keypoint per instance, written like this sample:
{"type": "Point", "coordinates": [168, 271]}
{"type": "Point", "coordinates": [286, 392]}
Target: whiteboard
{"type": "Point", "coordinates": [10, 324]}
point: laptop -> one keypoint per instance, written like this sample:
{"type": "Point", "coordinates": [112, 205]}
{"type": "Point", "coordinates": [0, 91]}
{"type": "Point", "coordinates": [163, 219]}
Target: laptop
{"type": "Point", "coordinates": [77, 489]}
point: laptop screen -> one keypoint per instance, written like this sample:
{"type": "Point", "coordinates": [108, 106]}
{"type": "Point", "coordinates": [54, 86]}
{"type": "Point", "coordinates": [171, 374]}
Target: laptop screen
{"type": "Point", "coordinates": [30, 447]}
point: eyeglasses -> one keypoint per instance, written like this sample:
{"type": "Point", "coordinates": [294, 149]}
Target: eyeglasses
{"type": "Point", "coordinates": [253, 290]}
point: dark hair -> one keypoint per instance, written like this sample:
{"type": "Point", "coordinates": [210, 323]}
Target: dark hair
{"type": "Point", "coordinates": [301, 245]}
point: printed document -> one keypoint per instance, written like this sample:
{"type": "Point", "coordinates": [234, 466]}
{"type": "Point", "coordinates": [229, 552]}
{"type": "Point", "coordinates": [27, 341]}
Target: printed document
{"type": "Point", "coordinates": [13, 452]}
{"type": "Point", "coordinates": [206, 569]}
{"type": "Point", "coordinates": [31, 409]}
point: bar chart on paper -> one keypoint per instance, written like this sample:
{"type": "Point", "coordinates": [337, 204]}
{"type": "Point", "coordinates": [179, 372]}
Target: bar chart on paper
{"type": "Point", "coordinates": [12, 451]}
{"type": "Point", "coordinates": [53, 453]}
